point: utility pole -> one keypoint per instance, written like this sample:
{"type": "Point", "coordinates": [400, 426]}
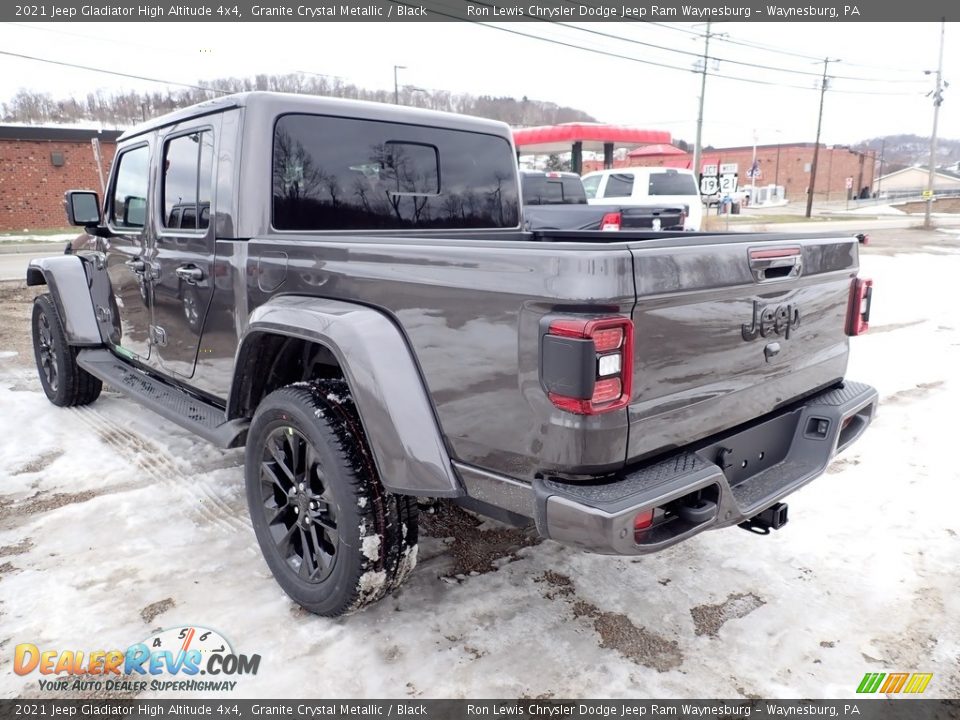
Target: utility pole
{"type": "Point", "coordinates": [697, 148]}
{"type": "Point", "coordinates": [937, 101]}
{"type": "Point", "coordinates": [816, 146]}
{"type": "Point", "coordinates": [396, 86]}
{"type": "Point", "coordinates": [883, 148]}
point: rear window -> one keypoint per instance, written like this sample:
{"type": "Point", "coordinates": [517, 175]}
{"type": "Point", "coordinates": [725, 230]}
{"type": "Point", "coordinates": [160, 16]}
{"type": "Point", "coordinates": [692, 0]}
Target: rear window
{"type": "Point", "coordinates": [590, 185]}
{"type": "Point", "coordinates": [672, 184]}
{"type": "Point", "coordinates": [545, 190]}
{"type": "Point", "coordinates": [619, 185]}
{"type": "Point", "coordinates": [334, 173]}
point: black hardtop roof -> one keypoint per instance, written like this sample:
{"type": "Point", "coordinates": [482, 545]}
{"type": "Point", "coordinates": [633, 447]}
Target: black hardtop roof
{"type": "Point", "coordinates": [281, 103]}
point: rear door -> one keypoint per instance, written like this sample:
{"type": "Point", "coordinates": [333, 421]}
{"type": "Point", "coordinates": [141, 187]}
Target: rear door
{"type": "Point", "coordinates": [185, 244]}
{"type": "Point", "coordinates": [729, 331]}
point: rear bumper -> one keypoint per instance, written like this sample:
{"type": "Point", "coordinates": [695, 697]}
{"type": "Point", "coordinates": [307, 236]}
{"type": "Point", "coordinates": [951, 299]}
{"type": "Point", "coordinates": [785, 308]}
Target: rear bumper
{"type": "Point", "coordinates": [710, 485]}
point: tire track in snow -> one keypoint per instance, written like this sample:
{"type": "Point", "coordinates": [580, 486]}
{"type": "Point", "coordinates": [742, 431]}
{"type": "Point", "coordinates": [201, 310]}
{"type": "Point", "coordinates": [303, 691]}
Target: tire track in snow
{"type": "Point", "coordinates": [157, 463]}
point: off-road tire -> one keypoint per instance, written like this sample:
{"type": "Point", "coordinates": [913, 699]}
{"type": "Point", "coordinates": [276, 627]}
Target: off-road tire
{"type": "Point", "coordinates": [377, 530]}
{"type": "Point", "coordinates": [69, 384]}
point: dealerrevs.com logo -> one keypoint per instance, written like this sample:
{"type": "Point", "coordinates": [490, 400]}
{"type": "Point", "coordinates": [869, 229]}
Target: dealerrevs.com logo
{"type": "Point", "coordinates": [177, 659]}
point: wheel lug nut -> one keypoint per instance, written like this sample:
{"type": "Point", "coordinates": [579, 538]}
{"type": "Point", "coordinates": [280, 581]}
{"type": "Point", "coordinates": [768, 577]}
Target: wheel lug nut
{"type": "Point", "coordinates": [313, 506]}
{"type": "Point", "coordinates": [301, 486]}
{"type": "Point", "coordinates": [296, 511]}
{"type": "Point", "coordinates": [307, 520]}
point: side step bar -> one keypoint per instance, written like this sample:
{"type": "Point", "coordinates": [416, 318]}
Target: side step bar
{"type": "Point", "coordinates": [187, 411]}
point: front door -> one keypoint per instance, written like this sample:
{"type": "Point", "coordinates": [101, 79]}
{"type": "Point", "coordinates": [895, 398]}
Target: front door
{"type": "Point", "coordinates": [127, 253]}
{"type": "Point", "coordinates": [183, 259]}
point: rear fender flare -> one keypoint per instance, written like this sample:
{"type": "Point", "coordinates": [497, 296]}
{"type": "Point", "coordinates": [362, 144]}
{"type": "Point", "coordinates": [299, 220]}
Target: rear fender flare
{"type": "Point", "coordinates": [384, 380]}
{"type": "Point", "coordinates": [69, 285]}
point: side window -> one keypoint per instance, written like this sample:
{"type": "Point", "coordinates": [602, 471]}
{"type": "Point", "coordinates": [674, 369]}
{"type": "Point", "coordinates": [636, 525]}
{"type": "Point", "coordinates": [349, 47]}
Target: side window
{"type": "Point", "coordinates": [590, 185]}
{"type": "Point", "coordinates": [128, 207]}
{"type": "Point", "coordinates": [187, 178]}
{"type": "Point", "coordinates": [332, 173]}
{"type": "Point", "coordinates": [619, 185]}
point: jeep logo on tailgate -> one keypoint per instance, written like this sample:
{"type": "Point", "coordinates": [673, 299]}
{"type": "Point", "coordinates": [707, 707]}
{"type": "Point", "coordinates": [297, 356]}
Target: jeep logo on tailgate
{"type": "Point", "coordinates": [775, 320]}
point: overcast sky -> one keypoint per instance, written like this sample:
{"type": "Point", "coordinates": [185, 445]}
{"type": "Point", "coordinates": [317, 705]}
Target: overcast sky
{"type": "Point", "coordinates": [888, 58]}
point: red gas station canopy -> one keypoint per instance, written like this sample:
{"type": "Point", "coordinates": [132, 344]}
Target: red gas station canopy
{"type": "Point", "coordinates": [593, 136]}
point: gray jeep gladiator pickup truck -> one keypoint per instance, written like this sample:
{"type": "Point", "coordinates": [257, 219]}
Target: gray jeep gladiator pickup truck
{"type": "Point", "coordinates": [345, 289]}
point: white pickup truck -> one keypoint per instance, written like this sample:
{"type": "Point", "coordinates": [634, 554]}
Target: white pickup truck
{"type": "Point", "coordinates": [646, 186]}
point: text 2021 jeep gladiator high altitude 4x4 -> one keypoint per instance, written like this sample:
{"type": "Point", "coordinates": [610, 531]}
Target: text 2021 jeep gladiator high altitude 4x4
{"type": "Point", "coordinates": [345, 289]}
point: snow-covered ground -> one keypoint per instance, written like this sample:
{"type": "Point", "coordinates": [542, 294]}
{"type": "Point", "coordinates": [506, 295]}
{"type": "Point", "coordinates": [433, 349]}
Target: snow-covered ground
{"type": "Point", "coordinates": [115, 523]}
{"type": "Point", "coordinates": [28, 237]}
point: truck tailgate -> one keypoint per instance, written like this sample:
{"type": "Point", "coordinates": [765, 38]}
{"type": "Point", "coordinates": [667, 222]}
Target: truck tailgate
{"type": "Point", "coordinates": [729, 331]}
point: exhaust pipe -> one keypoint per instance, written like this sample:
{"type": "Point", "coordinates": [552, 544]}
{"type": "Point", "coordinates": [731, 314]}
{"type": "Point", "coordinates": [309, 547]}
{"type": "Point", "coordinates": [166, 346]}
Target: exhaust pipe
{"type": "Point", "coordinates": [773, 518]}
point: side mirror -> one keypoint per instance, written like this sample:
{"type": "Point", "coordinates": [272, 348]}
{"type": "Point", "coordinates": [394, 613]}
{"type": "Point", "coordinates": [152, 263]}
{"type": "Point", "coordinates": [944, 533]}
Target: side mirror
{"type": "Point", "coordinates": [83, 207]}
{"type": "Point", "coordinates": [134, 211]}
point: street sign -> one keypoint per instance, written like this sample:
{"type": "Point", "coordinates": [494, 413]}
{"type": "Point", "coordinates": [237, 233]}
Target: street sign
{"type": "Point", "coordinates": [728, 169]}
{"type": "Point", "coordinates": [728, 183]}
{"type": "Point", "coordinates": [927, 194]}
{"type": "Point", "coordinates": [709, 184]}
{"type": "Point", "coordinates": [849, 183]}
{"type": "Point", "coordinates": [710, 170]}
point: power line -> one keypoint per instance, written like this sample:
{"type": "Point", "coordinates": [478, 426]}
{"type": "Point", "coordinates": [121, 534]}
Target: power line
{"type": "Point", "coordinates": [781, 51]}
{"type": "Point", "coordinates": [111, 72]}
{"type": "Point", "coordinates": [620, 56]}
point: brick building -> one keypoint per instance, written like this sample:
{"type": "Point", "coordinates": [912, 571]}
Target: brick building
{"type": "Point", "coordinates": [39, 163]}
{"type": "Point", "coordinates": [786, 164]}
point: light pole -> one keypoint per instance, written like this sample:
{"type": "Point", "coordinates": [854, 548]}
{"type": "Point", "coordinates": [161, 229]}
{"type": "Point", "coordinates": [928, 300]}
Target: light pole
{"type": "Point", "coordinates": [937, 101]}
{"type": "Point", "coordinates": [396, 85]}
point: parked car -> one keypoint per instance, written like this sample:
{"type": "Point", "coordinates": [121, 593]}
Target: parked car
{"type": "Point", "coordinates": [389, 332]}
{"type": "Point", "coordinates": [557, 201]}
{"type": "Point", "coordinates": [647, 185]}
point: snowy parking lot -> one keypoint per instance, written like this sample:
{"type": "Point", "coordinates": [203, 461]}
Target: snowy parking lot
{"type": "Point", "coordinates": [115, 524]}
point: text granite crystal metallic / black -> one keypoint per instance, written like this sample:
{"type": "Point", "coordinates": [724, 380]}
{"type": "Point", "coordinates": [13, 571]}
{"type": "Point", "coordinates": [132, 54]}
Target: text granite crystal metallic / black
{"type": "Point", "coordinates": [345, 289]}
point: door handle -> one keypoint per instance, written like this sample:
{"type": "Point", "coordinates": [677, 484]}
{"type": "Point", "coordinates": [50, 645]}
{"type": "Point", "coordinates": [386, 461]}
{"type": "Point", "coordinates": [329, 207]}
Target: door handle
{"type": "Point", "coordinates": [137, 265]}
{"type": "Point", "coordinates": [189, 274]}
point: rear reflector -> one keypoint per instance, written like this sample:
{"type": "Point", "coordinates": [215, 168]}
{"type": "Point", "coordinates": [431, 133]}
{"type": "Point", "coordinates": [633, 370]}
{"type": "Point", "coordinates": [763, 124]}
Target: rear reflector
{"type": "Point", "coordinates": [858, 311]}
{"type": "Point", "coordinates": [611, 221]}
{"type": "Point", "coordinates": [641, 522]}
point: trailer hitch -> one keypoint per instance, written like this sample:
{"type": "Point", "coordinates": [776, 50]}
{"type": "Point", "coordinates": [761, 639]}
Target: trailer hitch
{"type": "Point", "coordinates": [773, 518]}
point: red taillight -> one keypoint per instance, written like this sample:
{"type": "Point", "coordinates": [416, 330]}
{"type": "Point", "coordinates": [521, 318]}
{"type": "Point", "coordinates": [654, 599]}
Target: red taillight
{"type": "Point", "coordinates": [611, 221]}
{"type": "Point", "coordinates": [858, 311]}
{"type": "Point", "coordinates": [609, 339]}
{"type": "Point", "coordinates": [611, 356]}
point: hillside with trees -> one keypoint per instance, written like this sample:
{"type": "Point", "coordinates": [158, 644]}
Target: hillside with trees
{"type": "Point", "coordinates": [901, 151]}
{"type": "Point", "coordinates": [124, 109]}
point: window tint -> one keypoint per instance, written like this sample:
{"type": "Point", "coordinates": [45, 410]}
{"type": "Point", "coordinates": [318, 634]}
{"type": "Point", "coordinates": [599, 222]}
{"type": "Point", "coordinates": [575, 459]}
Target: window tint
{"type": "Point", "coordinates": [619, 185]}
{"type": "Point", "coordinates": [590, 185]}
{"type": "Point", "coordinates": [205, 183]}
{"type": "Point", "coordinates": [187, 178]}
{"type": "Point", "coordinates": [667, 183]}
{"type": "Point", "coordinates": [129, 206]}
{"type": "Point", "coordinates": [572, 190]}
{"type": "Point", "coordinates": [348, 174]}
